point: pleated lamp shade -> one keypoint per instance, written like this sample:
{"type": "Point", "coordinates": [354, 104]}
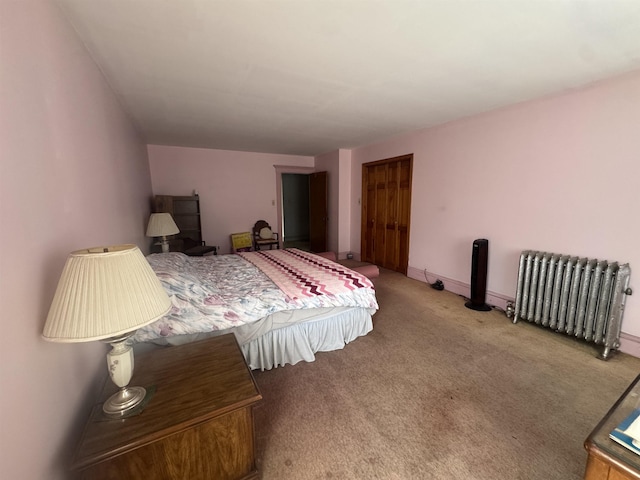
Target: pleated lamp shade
{"type": "Point", "coordinates": [104, 292]}
{"type": "Point", "coordinates": [161, 224]}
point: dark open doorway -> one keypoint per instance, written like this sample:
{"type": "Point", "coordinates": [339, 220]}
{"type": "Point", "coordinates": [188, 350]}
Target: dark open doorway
{"type": "Point", "coordinates": [295, 210]}
{"type": "Point", "coordinates": [302, 208]}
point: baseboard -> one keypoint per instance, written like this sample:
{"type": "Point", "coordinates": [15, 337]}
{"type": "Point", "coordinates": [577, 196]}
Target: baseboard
{"type": "Point", "coordinates": [630, 344]}
{"type": "Point", "coordinates": [296, 238]}
{"type": "Point", "coordinates": [460, 288]}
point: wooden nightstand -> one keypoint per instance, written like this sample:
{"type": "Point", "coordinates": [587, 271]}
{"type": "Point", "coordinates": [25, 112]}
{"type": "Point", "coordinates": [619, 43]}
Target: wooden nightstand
{"type": "Point", "coordinates": [197, 425]}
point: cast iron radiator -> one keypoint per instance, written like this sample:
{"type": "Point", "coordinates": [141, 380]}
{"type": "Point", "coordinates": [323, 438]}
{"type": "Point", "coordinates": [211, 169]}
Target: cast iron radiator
{"type": "Point", "coordinates": [578, 296]}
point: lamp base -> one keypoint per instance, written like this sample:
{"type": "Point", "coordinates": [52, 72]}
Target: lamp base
{"type": "Point", "coordinates": [165, 245]}
{"type": "Point", "coordinates": [124, 401]}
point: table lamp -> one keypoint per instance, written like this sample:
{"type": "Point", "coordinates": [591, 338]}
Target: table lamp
{"type": "Point", "coordinates": [161, 225]}
{"type": "Point", "coordinates": [106, 293]}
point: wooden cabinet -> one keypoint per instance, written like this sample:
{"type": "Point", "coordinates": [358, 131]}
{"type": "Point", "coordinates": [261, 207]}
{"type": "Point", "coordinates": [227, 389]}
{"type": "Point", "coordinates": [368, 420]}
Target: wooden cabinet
{"type": "Point", "coordinates": [198, 424]}
{"type": "Point", "coordinates": [600, 468]}
{"type": "Point", "coordinates": [386, 212]}
{"type": "Point", "coordinates": [185, 211]}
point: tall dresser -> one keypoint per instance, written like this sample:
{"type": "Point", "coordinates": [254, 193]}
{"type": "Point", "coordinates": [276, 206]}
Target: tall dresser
{"type": "Point", "coordinates": [185, 211]}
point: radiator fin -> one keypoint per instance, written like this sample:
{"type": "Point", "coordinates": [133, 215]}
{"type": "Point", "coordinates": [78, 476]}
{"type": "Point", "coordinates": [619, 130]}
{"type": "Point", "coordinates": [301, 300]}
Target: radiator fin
{"type": "Point", "coordinates": [580, 297]}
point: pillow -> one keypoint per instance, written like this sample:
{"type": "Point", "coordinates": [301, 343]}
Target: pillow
{"type": "Point", "coordinates": [266, 233]}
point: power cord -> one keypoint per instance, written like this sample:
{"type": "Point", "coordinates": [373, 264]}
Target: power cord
{"type": "Point", "coordinates": [437, 285]}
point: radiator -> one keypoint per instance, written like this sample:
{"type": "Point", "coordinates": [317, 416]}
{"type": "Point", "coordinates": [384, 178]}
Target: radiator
{"type": "Point", "coordinates": [580, 297]}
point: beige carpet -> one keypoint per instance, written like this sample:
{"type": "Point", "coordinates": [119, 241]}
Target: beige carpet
{"type": "Point", "coordinates": [437, 391]}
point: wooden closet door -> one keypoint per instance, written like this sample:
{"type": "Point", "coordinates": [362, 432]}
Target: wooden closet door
{"type": "Point", "coordinates": [386, 212]}
{"type": "Point", "coordinates": [390, 246]}
{"type": "Point", "coordinates": [368, 214]}
{"type": "Point", "coordinates": [403, 217]}
{"type": "Point", "coordinates": [380, 216]}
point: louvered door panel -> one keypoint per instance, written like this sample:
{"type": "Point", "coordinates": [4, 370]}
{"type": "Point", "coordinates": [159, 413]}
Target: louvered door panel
{"type": "Point", "coordinates": [386, 212]}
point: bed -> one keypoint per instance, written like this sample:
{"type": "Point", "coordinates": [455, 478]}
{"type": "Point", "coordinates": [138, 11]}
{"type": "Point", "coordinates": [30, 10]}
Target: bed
{"type": "Point", "coordinates": [282, 305]}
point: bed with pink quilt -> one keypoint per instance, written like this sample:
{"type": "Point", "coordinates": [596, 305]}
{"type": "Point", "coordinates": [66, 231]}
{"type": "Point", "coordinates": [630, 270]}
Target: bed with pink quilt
{"type": "Point", "coordinates": [282, 305]}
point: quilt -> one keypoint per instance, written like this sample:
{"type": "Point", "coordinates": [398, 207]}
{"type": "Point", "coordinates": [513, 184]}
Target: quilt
{"type": "Point", "coordinates": [225, 291]}
{"type": "Point", "coordinates": [300, 274]}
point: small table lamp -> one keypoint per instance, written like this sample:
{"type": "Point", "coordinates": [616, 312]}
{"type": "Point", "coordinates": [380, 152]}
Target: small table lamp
{"type": "Point", "coordinates": [161, 225]}
{"type": "Point", "coordinates": [106, 293]}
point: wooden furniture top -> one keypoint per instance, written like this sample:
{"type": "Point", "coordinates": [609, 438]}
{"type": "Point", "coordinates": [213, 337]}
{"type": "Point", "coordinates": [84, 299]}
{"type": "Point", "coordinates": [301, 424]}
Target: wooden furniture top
{"type": "Point", "coordinates": [193, 383]}
{"type": "Point", "coordinates": [601, 446]}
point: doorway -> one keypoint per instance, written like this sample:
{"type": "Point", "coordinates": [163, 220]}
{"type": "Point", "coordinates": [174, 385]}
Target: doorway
{"type": "Point", "coordinates": [302, 208]}
{"type": "Point", "coordinates": [386, 212]}
{"type": "Point", "coordinates": [295, 210]}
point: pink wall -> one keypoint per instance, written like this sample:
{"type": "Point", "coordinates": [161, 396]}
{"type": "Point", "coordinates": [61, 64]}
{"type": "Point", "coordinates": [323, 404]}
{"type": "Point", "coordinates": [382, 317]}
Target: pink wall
{"type": "Point", "coordinates": [345, 198]}
{"type": "Point", "coordinates": [559, 174]}
{"type": "Point", "coordinates": [338, 166]}
{"type": "Point", "coordinates": [236, 188]}
{"type": "Point", "coordinates": [73, 174]}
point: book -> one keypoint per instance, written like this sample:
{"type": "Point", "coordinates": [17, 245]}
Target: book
{"type": "Point", "coordinates": [627, 433]}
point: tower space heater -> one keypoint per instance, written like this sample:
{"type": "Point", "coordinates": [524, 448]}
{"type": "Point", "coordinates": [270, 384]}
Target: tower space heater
{"type": "Point", "coordinates": [479, 260]}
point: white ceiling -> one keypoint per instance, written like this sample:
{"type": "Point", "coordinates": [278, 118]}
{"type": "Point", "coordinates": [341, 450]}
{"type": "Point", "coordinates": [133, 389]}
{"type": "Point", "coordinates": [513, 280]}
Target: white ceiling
{"type": "Point", "coordinates": [307, 77]}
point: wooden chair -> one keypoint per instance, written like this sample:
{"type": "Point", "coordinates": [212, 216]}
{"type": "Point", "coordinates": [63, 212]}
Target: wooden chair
{"type": "Point", "coordinates": [241, 242]}
{"type": "Point", "coordinates": [263, 236]}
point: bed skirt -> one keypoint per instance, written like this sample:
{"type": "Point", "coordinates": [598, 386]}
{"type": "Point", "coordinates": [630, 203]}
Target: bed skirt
{"type": "Point", "coordinates": [287, 337]}
{"type": "Point", "coordinates": [301, 341]}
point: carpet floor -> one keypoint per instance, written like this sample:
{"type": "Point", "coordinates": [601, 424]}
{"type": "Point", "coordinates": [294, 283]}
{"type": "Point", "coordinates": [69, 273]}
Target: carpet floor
{"type": "Point", "coordinates": [437, 391]}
